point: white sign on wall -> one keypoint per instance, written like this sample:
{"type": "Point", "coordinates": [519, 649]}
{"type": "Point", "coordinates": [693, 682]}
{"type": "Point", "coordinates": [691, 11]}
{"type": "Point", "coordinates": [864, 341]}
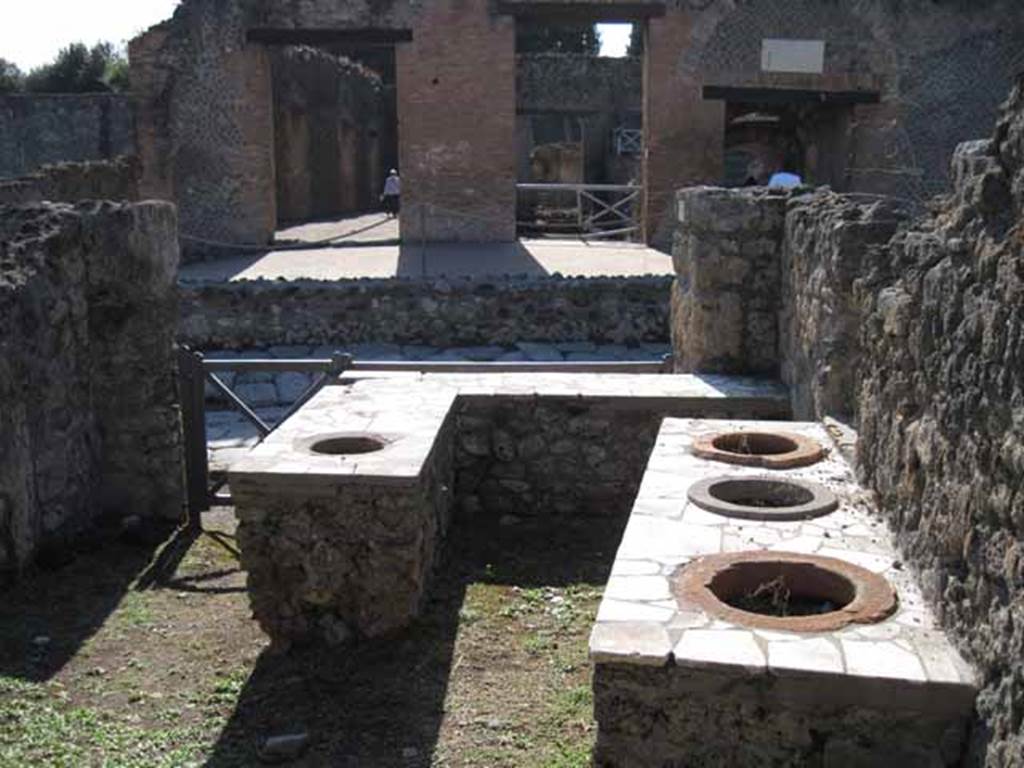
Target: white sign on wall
{"type": "Point", "coordinates": [806, 56]}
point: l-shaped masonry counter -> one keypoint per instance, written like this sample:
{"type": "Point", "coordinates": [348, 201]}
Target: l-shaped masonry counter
{"type": "Point", "coordinates": [343, 511]}
{"type": "Point", "coordinates": [343, 508]}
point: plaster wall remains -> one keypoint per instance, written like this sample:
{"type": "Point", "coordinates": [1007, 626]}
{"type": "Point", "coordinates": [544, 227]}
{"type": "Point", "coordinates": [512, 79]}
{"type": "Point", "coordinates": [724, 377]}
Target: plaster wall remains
{"type": "Point", "coordinates": [90, 419]}
{"type": "Point", "coordinates": [332, 122]}
{"type": "Point", "coordinates": [45, 129]}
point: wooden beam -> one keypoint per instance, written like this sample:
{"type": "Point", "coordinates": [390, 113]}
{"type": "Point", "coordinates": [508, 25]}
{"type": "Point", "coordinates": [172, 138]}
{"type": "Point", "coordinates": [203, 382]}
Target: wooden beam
{"type": "Point", "coordinates": [581, 11]}
{"type": "Point", "coordinates": [368, 37]}
{"type": "Point", "coordinates": [762, 95]}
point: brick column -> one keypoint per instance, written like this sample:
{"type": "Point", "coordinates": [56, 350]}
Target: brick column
{"type": "Point", "coordinates": [205, 131]}
{"type": "Point", "coordinates": [684, 135]}
{"type": "Point", "coordinates": [457, 125]}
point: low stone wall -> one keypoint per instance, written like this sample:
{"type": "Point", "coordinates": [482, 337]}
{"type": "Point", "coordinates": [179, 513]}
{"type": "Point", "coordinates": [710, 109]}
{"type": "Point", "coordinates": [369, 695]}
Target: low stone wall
{"type": "Point", "coordinates": [544, 456]}
{"type": "Point", "coordinates": [566, 82]}
{"type": "Point", "coordinates": [942, 416]}
{"type": "Point", "coordinates": [74, 182]}
{"type": "Point", "coordinates": [726, 297]}
{"type": "Point", "coordinates": [90, 421]}
{"type": "Point", "coordinates": [46, 128]}
{"type": "Point", "coordinates": [438, 313]}
{"type": "Point", "coordinates": [827, 242]}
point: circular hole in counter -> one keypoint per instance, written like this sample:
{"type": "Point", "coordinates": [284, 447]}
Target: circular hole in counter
{"type": "Point", "coordinates": [784, 591]}
{"type": "Point", "coordinates": [771, 450]}
{"type": "Point", "coordinates": [348, 445]}
{"type": "Point", "coordinates": [763, 498]}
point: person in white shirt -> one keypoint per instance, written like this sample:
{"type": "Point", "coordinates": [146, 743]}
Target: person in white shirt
{"type": "Point", "coordinates": [785, 180]}
{"type": "Point", "coordinates": [392, 193]}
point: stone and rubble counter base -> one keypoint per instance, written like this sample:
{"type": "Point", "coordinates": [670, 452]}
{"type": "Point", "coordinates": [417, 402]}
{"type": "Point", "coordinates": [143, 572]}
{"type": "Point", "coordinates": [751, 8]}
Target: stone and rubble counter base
{"type": "Point", "coordinates": [341, 545]}
{"type": "Point", "coordinates": [345, 545]}
{"type": "Point", "coordinates": [675, 687]}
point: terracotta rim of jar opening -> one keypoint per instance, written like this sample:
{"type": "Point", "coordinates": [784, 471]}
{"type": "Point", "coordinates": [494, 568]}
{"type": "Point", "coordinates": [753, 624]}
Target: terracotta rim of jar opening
{"type": "Point", "coordinates": [772, 450]}
{"type": "Point", "coordinates": [707, 582]}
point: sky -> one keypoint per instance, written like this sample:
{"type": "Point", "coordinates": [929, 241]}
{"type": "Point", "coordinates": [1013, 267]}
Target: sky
{"type": "Point", "coordinates": [614, 38]}
{"type": "Point", "coordinates": [33, 31]}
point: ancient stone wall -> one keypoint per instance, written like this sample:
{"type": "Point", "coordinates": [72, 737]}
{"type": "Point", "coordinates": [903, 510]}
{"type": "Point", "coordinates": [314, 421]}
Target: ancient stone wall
{"type": "Point", "coordinates": [45, 129]}
{"type": "Point", "coordinates": [530, 456]}
{"type": "Point", "coordinates": [726, 296]}
{"type": "Point", "coordinates": [557, 82]}
{"type": "Point", "coordinates": [90, 419]}
{"type": "Point", "coordinates": [331, 119]}
{"type": "Point", "coordinates": [580, 99]}
{"type": "Point", "coordinates": [942, 416]}
{"type": "Point", "coordinates": [827, 241]}
{"type": "Point", "coordinates": [205, 126]}
{"type": "Point", "coordinates": [921, 57]}
{"type": "Point", "coordinates": [438, 313]}
{"type": "Point", "coordinates": [72, 182]}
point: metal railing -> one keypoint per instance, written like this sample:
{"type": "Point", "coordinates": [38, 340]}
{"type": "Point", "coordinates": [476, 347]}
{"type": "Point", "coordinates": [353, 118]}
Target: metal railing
{"type": "Point", "coordinates": [598, 210]}
{"type": "Point", "coordinates": [628, 141]}
{"type": "Point", "coordinates": [195, 371]}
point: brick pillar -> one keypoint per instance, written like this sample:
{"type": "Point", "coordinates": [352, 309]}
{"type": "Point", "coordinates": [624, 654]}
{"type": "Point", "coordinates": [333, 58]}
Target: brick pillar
{"type": "Point", "coordinates": [457, 125]}
{"type": "Point", "coordinates": [684, 135]}
{"type": "Point", "coordinates": [205, 132]}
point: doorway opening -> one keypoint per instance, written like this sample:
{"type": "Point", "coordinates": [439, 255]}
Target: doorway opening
{"type": "Point", "coordinates": [579, 127]}
{"type": "Point", "coordinates": [335, 139]}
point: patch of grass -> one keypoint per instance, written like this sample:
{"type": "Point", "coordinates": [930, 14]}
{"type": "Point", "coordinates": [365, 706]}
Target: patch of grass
{"type": "Point", "coordinates": [495, 673]}
{"type": "Point", "coordinates": [135, 610]}
{"type": "Point", "coordinates": [41, 729]}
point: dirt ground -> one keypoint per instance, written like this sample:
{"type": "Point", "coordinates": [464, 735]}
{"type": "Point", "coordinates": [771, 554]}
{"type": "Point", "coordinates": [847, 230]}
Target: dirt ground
{"type": "Point", "coordinates": [137, 656]}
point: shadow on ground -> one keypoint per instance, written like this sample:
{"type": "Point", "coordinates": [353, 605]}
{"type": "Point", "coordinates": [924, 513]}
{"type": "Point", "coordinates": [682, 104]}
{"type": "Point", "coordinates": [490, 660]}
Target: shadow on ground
{"type": "Point", "coordinates": [455, 260]}
{"type": "Point", "coordinates": [51, 611]}
{"type": "Point", "coordinates": [382, 703]}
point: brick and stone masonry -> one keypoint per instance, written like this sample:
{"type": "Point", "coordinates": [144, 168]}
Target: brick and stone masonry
{"type": "Point", "coordinates": [204, 100]}
{"type": "Point", "coordinates": [91, 425]}
{"type": "Point", "coordinates": [918, 340]}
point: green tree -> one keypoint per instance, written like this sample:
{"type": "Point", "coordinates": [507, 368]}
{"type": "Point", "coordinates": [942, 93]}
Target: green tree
{"type": "Point", "coordinates": [557, 38]}
{"type": "Point", "coordinates": [11, 78]}
{"type": "Point", "coordinates": [80, 69]}
{"type": "Point", "coordinates": [636, 40]}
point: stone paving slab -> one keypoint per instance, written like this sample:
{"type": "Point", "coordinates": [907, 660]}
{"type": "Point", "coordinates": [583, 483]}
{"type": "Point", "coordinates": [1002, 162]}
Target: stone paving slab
{"type": "Point", "coordinates": [901, 655]}
{"type": "Point", "coordinates": [531, 258]}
